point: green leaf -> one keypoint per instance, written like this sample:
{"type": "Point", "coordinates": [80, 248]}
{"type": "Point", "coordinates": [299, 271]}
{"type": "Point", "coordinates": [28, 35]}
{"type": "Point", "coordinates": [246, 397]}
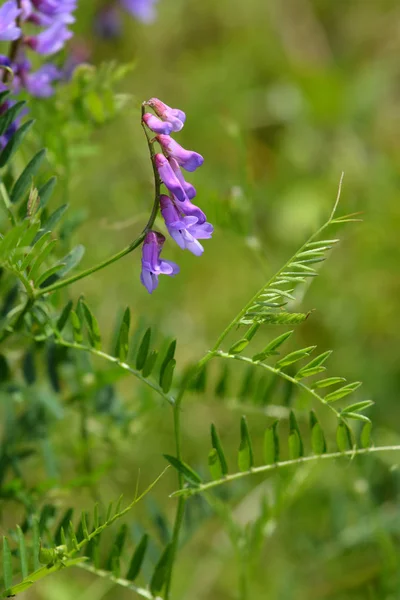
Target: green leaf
{"type": "Point", "coordinates": [322, 383]}
{"type": "Point", "coordinates": [41, 258]}
{"type": "Point", "coordinates": [357, 406]}
{"type": "Point", "coordinates": [366, 435]}
{"type": "Point", "coordinates": [70, 261]}
{"type": "Point", "coordinates": [222, 383]}
{"type": "Point", "coordinates": [167, 376]}
{"type": "Point", "coordinates": [294, 357]}
{"type": "Point", "coordinates": [43, 279]}
{"type": "Point", "coordinates": [24, 181]}
{"type": "Point", "coordinates": [343, 437]}
{"type": "Point", "coordinates": [318, 442]}
{"type": "Point", "coordinates": [214, 464]}
{"type": "Point", "coordinates": [14, 143]}
{"type": "Point", "coordinates": [9, 116]}
{"type": "Point", "coordinates": [168, 357]}
{"type": "Point", "coordinates": [342, 392]}
{"type": "Point", "coordinates": [53, 219]}
{"type": "Point", "coordinates": [92, 325]}
{"type": "Point", "coordinates": [122, 344]}
{"type": "Point", "coordinates": [117, 547]}
{"type": "Point", "coordinates": [278, 318]}
{"type": "Point", "coordinates": [85, 531]}
{"type": "Point", "coordinates": [143, 350]}
{"type": "Point", "coordinates": [271, 444]}
{"type": "Point", "coordinates": [272, 346]}
{"type": "Point", "coordinates": [161, 572]}
{"type": "Point", "coordinates": [150, 363]}
{"type": "Point", "coordinates": [239, 346]}
{"type": "Point", "coordinates": [188, 473]}
{"type": "Point", "coordinates": [245, 455]}
{"type": "Point", "coordinates": [63, 318]}
{"type": "Point", "coordinates": [7, 564]}
{"type": "Point", "coordinates": [137, 559]}
{"type": "Point", "coordinates": [35, 251]}
{"type": "Point", "coordinates": [77, 327]}
{"type": "Point", "coordinates": [356, 416]}
{"type": "Point", "coordinates": [294, 429]}
{"type": "Point", "coordinates": [295, 444]}
{"type": "Point", "coordinates": [46, 191]}
{"type": "Point", "coordinates": [22, 552]}
{"type": "Point", "coordinates": [35, 543]}
{"type": "Point", "coordinates": [216, 444]}
{"type": "Point", "coordinates": [314, 366]}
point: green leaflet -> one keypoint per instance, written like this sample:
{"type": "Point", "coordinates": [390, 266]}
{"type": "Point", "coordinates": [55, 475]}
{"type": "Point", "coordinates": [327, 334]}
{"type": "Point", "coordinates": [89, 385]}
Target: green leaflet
{"type": "Point", "coordinates": [143, 350]}
{"type": "Point", "coordinates": [25, 179]}
{"type": "Point", "coordinates": [343, 437]}
{"type": "Point", "coordinates": [245, 454]}
{"type": "Point", "coordinates": [342, 392]}
{"type": "Point", "coordinates": [216, 444]}
{"type": "Point", "coordinates": [366, 435]}
{"type": "Point", "coordinates": [214, 464]}
{"type": "Point", "coordinates": [294, 357]}
{"type": "Point", "coordinates": [137, 559]}
{"type": "Point", "coordinates": [161, 571]}
{"type": "Point", "coordinates": [272, 346]}
{"type": "Point", "coordinates": [188, 473]}
{"type": "Point", "coordinates": [122, 343]}
{"type": "Point", "coordinates": [296, 447]}
{"type": "Point", "coordinates": [14, 143]}
{"type": "Point", "coordinates": [92, 326]}
{"type": "Point", "coordinates": [271, 444]}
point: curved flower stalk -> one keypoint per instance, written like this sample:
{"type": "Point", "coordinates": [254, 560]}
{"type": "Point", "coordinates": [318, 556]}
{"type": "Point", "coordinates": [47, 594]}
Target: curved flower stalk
{"type": "Point", "coordinates": [185, 222]}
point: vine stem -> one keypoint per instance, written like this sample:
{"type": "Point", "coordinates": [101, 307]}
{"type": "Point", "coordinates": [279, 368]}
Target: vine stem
{"type": "Point", "coordinates": [287, 463]}
{"type": "Point", "coordinates": [137, 242]}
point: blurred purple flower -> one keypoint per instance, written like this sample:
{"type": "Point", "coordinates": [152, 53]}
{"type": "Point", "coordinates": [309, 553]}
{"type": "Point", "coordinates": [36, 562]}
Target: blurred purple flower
{"type": "Point", "coordinates": [144, 10]}
{"type": "Point", "coordinates": [9, 31]}
{"type": "Point", "coordinates": [185, 230]}
{"type": "Point", "coordinates": [152, 265]}
{"type": "Point", "coordinates": [51, 40]}
{"type": "Point", "coordinates": [39, 83]}
{"type": "Point", "coordinates": [188, 159]}
{"type": "Point", "coordinates": [107, 22]}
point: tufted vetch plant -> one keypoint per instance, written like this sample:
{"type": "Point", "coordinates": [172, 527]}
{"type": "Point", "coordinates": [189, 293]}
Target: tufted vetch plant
{"type": "Point", "coordinates": [57, 356]}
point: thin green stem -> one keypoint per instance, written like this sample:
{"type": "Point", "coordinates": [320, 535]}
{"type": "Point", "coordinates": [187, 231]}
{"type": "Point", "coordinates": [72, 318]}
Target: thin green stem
{"type": "Point", "coordinates": [61, 342]}
{"type": "Point", "coordinates": [278, 373]}
{"type": "Point", "coordinates": [180, 509]}
{"type": "Point", "coordinates": [286, 463]}
{"type": "Point", "coordinates": [137, 242]}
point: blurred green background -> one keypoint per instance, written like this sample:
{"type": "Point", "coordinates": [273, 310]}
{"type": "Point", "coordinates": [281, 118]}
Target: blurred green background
{"type": "Point", "coordinates": [280, 97]}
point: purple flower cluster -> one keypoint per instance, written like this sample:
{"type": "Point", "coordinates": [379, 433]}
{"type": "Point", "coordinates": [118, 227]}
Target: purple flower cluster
{"type": "Point", "coordinates": [186, 222]}
{"type": "Point", "coordinates": [52, 18]}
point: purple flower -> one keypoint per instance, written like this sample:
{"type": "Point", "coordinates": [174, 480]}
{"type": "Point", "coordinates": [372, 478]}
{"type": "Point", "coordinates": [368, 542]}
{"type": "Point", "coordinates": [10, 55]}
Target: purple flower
{"type": "Point", "coordinates": [185, 230]}
{"type": "Point", "coordinates": [55, 7]}
{"type": "Point", "coordinates": [39, 83]}
{"type": "Point", "coordinates": [143, 10]}
{"type": "Point", "coordinates": [187, 159]}
{"type": "Point", "coordinates": [169, 178]}
{"type": "Point", "coordinates": [188, 187]}
{"type": "Point", "coordinates": [152, 265]}
{"type": "Point", "coordinates": [50, 40]}
{"type": "Point", "coordinates": [175, 116]}
{"type": "Point", "coordinates": [107, 22]}
{"type": "Point", "coordinates": [9, 30]}
{"type": "Point", "coordinates": [156, 124]}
